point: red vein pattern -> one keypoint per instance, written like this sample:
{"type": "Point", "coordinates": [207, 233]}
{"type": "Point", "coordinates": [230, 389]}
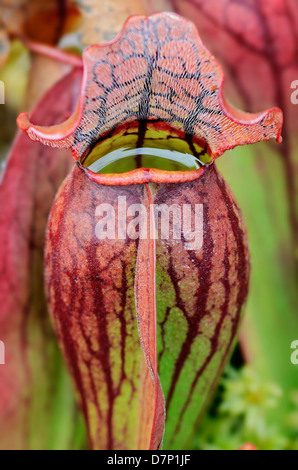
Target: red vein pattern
{"type": "Point", "coordinates": [157, 69]}
{"type": "Point", "coordinates": [90, 285]}
{"type": "Point", "coordinates": [200, 297]}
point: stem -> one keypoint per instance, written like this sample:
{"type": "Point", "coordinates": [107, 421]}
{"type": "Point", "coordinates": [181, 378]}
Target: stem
{"type": "Point", "coordinates": [53, 53]}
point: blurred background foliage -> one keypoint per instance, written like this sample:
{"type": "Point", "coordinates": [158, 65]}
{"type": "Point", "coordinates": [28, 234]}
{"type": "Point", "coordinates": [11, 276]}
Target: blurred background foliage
{"type": "Point", "coordinates": [15, 76]}
{"type": "Point", "coordinates": [257, 400]}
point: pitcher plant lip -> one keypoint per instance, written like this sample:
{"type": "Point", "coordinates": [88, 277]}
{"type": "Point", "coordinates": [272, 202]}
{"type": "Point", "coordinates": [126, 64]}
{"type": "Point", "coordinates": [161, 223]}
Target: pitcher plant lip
{"type": "Point", "coordinates": [144, 175]}
{"type": "Point", "coordinates": [156, 69]}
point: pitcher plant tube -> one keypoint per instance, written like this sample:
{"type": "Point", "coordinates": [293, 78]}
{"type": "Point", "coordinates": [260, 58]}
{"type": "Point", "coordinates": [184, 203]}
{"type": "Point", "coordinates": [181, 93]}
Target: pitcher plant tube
{"type": "Point", "coordinates": [146, 323]}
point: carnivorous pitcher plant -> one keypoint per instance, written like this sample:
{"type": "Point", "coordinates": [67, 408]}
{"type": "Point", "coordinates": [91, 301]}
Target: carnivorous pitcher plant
{"type": "Point", "coordinates": [146, 257]}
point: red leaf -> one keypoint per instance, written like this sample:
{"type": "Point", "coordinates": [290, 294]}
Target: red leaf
{"type": "Point", "coordinates": [30, 181]}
